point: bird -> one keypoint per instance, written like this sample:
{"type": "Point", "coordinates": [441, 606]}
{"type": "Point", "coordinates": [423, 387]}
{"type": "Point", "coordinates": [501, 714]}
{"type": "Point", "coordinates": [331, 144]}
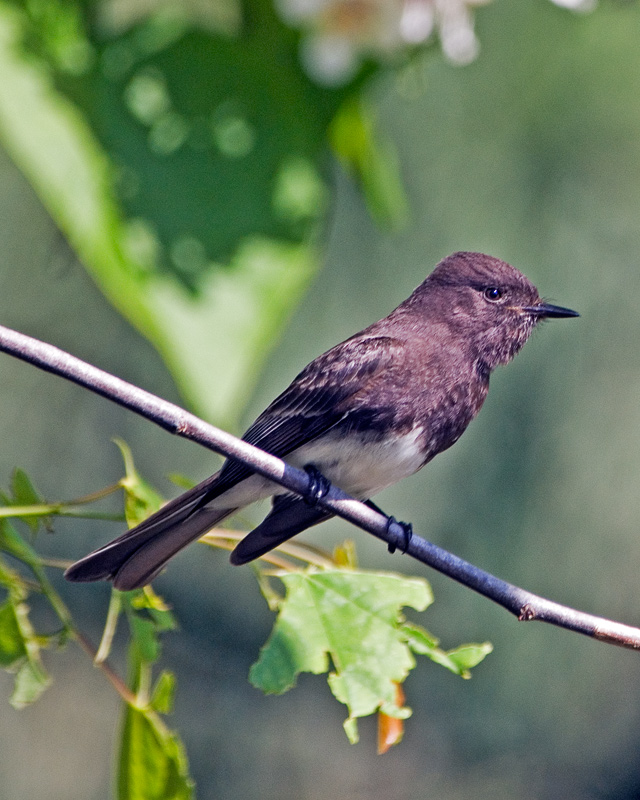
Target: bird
{"type": "Point", "coordinates": [368, 412]}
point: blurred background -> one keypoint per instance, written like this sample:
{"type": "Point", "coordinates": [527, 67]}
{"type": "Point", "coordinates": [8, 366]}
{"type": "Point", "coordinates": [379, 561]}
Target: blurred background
{"type": "Point", "coordinates": [530, 152]}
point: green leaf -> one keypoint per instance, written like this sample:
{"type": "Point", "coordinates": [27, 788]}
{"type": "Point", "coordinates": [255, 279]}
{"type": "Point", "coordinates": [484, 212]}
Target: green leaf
{"type": "Point", "coordinates": [241, 310]}
{"type": "Point", "coordinates": [221, 119]}
{"type": "Point", "coordinates": [458, 660]}
{"type": "Point", "coordinates": [152, 764]}
{"type": "Point", "coordinates": [13, 543]}
{"type": "Point", "coordinates": [144, 637]}
{"type": "Point", "coordinates": [12, 646]}
{"type": "Point", "coordinates": [372, 160]}
{"type": "Point", "coordinates": [352, 617]}
{"type": "Point", "coordinates": [163, 693]}
{"type": "Point", "coordinates": [273, 598]}
{"type": "Point", "coordinates": [467, 656]}
{"type": "Point", "coordinates": [19, 644]}
{"type": "Point", "coordinates": [246, 194]}
{"type": "Point", "coordinates": [24, 494]}
{"type": "Point", "coordinates": [158, 610]}
{"type": "Point", "coordinates": [140, 498]}
{"type": "Point", "coordinates": [181, 481]}
{"type": "Point", "coordinates": [31, 681]}
{"type": "Point", "coordinates": [148, 617]}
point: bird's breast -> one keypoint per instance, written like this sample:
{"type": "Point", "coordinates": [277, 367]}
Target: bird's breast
{"type": "Point", "coordinates": [446, 421]}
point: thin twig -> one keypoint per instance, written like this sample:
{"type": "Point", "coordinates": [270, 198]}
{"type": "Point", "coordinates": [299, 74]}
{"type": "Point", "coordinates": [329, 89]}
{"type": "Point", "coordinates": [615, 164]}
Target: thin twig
{"type": "Point", "coordinates": [110, 625]}
{"type": "Point", "coordinates": [57, 510]}
{"type": "Point", "coordinates": [114, 679]}
{"type": "Point", "coordinates": [525, 605]}
{"type": "Point", "coordinates": [227, 539]}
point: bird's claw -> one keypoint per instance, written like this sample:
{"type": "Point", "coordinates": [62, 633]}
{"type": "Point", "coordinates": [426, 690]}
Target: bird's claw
{"type": "Point", "coordinates": [318, 485]}
{"type": "Point", "coordinates": [407, 533]}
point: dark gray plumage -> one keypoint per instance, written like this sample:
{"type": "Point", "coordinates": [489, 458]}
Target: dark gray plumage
{"type": "Point", "coordinates": [370, 411]}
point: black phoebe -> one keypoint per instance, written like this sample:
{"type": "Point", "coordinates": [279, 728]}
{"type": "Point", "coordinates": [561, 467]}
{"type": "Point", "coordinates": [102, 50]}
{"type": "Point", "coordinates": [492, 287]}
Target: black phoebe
{"type": "Point", "coordinates": [365, 414]}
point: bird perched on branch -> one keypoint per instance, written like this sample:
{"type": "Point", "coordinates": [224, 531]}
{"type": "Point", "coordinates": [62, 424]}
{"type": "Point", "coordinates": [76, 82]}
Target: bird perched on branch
{"type": "Point", "coordinates": [372, 410]}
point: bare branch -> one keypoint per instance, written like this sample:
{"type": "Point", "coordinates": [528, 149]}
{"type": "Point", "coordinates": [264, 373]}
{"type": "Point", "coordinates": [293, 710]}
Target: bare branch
{"type": "Point", "coordinates": [525, 605]}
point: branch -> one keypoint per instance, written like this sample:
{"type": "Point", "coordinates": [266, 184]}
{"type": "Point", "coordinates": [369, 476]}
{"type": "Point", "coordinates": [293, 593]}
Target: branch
{"type": "Point", "coordinates": [525, 605]}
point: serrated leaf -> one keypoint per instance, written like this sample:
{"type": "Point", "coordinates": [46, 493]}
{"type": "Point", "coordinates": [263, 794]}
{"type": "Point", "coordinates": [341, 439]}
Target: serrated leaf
{"type": "Point", "coordinates": [459, 660]}
{"type": "Point", "coordinates": [352, 617]}
{"type": "Point", "coordinates": [419, 638]}
{"type": "Point", "coordinates": [152, 763]}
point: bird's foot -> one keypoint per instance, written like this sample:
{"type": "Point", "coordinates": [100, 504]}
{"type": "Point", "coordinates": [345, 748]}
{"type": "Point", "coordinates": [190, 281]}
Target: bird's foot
{"type": "Point", "coordinates": [407, 533]}
{"type": "Point", "coordinates": [318, 485]}
{"type": "Point", "coordinates": [407, 529]}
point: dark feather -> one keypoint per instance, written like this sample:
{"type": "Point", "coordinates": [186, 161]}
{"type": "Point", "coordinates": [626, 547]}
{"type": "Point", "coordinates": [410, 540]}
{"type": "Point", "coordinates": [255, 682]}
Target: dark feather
{"type": "Point", "coordinates": [290, 515]}
{"type": "Point", "coordinates": [316, 400]}
{"type": "Point", "coordinates": [311, 406]}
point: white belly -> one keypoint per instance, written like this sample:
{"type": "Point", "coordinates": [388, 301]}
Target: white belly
{"type": "Point", "coordinates": [359, 466]}
{"type": "Point", "coordinates": [362, 467]}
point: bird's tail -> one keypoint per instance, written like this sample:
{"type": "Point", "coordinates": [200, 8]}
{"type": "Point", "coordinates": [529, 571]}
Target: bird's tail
{"type": "Point", "coordinates": [135, 558]}
{"type": "Point", "coordinates": [289, 516]}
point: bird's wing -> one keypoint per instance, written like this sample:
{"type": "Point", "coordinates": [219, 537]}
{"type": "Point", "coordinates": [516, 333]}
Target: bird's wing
{"type": "Point", "coordinates": [316, 400]}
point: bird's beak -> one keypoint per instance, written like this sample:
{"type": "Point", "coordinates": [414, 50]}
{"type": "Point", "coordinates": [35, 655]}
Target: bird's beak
{"type": "Point", "coordinates": [546, 310]}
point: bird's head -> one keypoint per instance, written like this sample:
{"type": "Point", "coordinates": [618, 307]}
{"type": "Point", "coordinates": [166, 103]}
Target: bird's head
{"type": "Point", "coordinates": [489, 303]}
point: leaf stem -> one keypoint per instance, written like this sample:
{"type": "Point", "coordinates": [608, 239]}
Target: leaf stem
{"type": "Point", "coordinates": [226, 539]}
{"type": "Point", "coordinates": [110, 625]}
{"type": "Point", "coordinates": [114, 679]}
{"type": "Point", "coordinates": [56, 510]}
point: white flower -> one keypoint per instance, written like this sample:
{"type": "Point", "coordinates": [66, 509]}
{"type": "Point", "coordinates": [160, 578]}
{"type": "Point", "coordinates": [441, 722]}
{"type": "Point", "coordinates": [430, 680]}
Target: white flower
{"type": "Point", "coordinates": [341, 33]}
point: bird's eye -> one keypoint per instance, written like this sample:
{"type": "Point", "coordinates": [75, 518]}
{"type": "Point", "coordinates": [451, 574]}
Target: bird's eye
{"type": "Point", "coordinates": [492, 293]}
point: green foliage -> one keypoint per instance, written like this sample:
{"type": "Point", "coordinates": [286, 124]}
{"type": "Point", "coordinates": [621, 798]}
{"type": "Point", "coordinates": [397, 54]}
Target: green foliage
{"type": "Point", "coordinates": [151, 761]}
{"type": "Point", "coordinates": [336, 617]}
{"type": "Point", "coordinates": [22, 493]}
{"type": "Point", "coordinates": [19, 646]}
{"type": "Point", "coordinates": [152, 764]}
{"type": "Point", "coordinates": [460, 660]}
{"type": "Point", "coordinates": [183, 159]}
{"type": "Point", "coordinates": [372, 161]}
{"type": "Point", "coordinates": [140, 499]}
{"type": "Point", "coordinates": [353, 618]}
